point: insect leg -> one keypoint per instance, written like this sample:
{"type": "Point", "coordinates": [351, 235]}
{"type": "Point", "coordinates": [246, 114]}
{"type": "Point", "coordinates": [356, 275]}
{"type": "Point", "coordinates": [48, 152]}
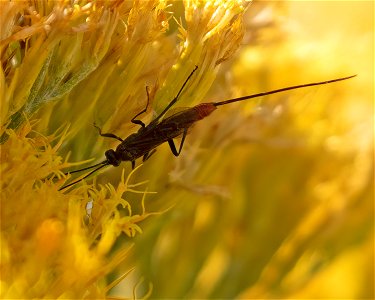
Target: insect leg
{"type": "Point", "coordinates": [139, 122]}
{"type": "Point", "coordinates": [133, 164]}
{"type": "Point", "coordinates": [110, 135]}
{"type": "Point", "coordinates": [175, 98]}
{"type": "Point", "coordinates": [173, 146]}
{"type": "Point", "coordinates": [148, 155]}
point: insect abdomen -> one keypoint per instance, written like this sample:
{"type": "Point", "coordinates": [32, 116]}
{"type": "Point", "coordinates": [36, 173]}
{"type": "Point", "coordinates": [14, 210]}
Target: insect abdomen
{"type": "Point", "coordinates": [204, 109]}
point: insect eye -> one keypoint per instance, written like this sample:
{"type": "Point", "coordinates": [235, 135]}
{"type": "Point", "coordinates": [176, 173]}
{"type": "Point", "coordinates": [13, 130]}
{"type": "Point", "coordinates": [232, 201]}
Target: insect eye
{"type": "Point", "coordinates": [112, 158]}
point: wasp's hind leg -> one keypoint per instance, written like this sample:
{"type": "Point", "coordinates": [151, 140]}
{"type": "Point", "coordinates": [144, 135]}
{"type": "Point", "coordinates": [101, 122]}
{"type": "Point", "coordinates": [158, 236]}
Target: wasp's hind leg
{"type": "Point", "coordinates": [174, 100]}
{"type": "Point", "coordinates": [173, 146]}
{"type": "Point", "coordinates": [110, 135]}
{"type": "Point", "coordinates": [139, 122]}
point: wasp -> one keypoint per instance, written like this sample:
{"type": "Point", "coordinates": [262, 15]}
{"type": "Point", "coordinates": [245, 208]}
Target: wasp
{"type": "Point", "coordinates": [144, 142]}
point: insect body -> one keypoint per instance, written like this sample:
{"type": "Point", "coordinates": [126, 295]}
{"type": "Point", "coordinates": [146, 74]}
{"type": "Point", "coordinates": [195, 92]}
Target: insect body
{"type": "Point", "coordinates": [149, 137]}
{"type": "Point", "coordinates": [159, 131]}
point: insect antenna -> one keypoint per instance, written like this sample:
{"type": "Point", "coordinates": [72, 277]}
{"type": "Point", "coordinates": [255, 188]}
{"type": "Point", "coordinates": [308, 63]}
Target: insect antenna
{"type": "Point", "coordinates": [280, 90]}
{"type": "Point", "coordinates": [93, 166]}
{"type": "Point", "coordinates": [101, 165]}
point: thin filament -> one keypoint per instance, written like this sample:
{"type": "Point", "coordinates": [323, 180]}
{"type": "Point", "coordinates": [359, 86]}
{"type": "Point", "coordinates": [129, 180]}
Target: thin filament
{"type": "Point", "coordinates": [279, 90]}
{"type": "Point", "coordinates": [74, 182]}
{"type": "Point", "coordinates": [71, 172]}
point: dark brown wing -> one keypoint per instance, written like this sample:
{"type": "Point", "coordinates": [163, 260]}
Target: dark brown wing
{"type": "Point", "coordinates": [148, 138]}
{"type": "Point", "coordinates": [169, 128]}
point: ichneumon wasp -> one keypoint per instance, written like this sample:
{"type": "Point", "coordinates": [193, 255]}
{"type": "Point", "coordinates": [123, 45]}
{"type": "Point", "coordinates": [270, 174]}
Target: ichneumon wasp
{"type": "Point", "coordinates": [144, 142]}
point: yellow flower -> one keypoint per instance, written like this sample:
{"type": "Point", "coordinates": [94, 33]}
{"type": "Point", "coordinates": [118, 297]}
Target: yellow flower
{"type": "Point", "coordinates": [52, 244]}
